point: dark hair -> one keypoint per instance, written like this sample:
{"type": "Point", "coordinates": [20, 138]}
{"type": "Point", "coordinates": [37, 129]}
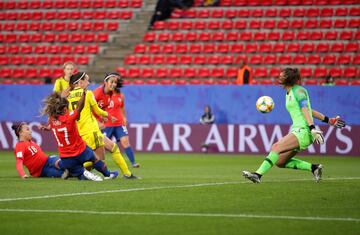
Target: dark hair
{"type": "Point", "coordinates": [54, 105]}
{"type": "Point", "coordinates": [17, 128]}
{"type": "Point", "coordinates": [120, 80]}
{"type": "Point", "coordinates": [75, 78]}
{"type": "Point", "coordinates": [291, 76]}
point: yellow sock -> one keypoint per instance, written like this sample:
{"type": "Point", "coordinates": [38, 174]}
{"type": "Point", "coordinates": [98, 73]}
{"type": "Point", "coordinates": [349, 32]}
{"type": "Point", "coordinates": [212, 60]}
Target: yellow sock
{"type": "Point", "coordinates": [119, 160]}
{"type": "Point", "coordinates": [88, 165]}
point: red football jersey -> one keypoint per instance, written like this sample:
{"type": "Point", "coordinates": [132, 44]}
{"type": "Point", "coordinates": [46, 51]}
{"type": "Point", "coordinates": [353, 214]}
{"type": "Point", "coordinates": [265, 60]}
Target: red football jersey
{"type": "Point", "coordinates": [111, 103]}
{"type": "Point", "coordinates": [31, 155]}
{"type": "Point", "coordinates": [70, 144]}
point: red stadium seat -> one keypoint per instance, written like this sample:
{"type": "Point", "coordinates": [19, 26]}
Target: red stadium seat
{"type": "Point", "coordinates": [311, 82]}
{"type": "Point", "coordinates": [190, 36]}
{"type": "Point", "coordinates": [189, 72]}
{"type": "Point", "coordinates": [161, 73]}
{"type": "Point", "coordinates": [140, 48]}
{"type": "Point", "coordinates": [325, 24]}
{"type": "Point", "coordinates": [293, 47]}
{"type": "Point", "coordinates": [265, 48]}
{"type": "Point", "coordinates": [144, 59]}
{"type": "Point", "coordinates": [274, 36]}
{"type": "Point", "coordinates": [175, 73]}
{"type": "Point", "coordinates": [299, 59]}
{"type": "Point", "coordinates": [130, 60]}
{"type": "Point", "coordinates": [329, 59]}
{"type": "Point", "coordinates": [180, 82]}
{"type": "Point", "coordinates": [335, 72]}
{"type": "Point", "coordinates": [356, 60]}
{"type": "Point", "coordinates": [307, 47]}
{"type": "Point", "coordinates": [200, 60]}
{"type": "Point", "coordinates": [352, 47]}
{"type": "Point", "coordinates": [284, 59]}
{"type": "Point", "coordinates": [322, 47]}
{"type": "Point", "coordinates": [231, 72]}
{"type": "Point", "coordinates": [314, 59]}
{"type": "Point", "coordinates": [16, 60]}
{"type": "Point", "coordinates": [337, 47]}
{"type": "Point", "coordinates": [256, 59]}
{"type": "Point", "coordinates": [350, 72]}
{"type": "Point", "coordinates": [240, 24]}
{"type": "Point", "coordinates": [92, 49]}
{"type": "Point", "coordinates": [297, 24]}
{"type": "Point", "coordinates": [346, 35]}
{"type": "Point", "coordinates": [341, 82]}
{"type": "Point", "coordinates": [320, 72]}
{"type": "Point", "coordinates": [279, 47]}
{"type": "Point", "coordinates": [288, 36]}
{"type": "Point", "coordinates": [326, 12]}
{"type": "Point", "coordinates": [217, 72]}
{"type": "Point", "coordinates": [306, 72]}
{"type": "Point", "coordinates": [344, 59]}
{"type": "Point", "coordinates": [355, 82]}
{"type": "Point", "coordinates": [332, 35]}
{"type": "Point", "coordinates": [274, 72]}
{"type": "Point", "coordinates": [269, 24]}
{"type": "Point", "coordinates": [251, 47]}
{"type": "Point", "coordinates": [133, 73]}
{"type": "Point", "coordinates": [203, 72]}
{"type": "Point", "coordinates": [260, 73]}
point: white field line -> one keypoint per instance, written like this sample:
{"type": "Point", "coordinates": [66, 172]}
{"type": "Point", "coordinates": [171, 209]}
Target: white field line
{"type": "Point", "coordinates": [155, 188]}
{"type": "Point", "coordinates": [169, 214]}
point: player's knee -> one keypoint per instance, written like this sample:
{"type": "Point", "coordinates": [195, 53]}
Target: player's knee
{"type": "Point", "coordinates": [114, 148]}
{"type": "Point", "coordinates": [125, 142]}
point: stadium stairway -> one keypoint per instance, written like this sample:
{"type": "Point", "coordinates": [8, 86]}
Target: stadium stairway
{"type": "Point", "coordinates": [123, 42]}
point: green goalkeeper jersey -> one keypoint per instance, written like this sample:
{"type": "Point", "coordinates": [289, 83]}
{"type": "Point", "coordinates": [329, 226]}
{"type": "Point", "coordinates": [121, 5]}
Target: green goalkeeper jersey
{"type": "Point", "coordinates": [296, 98]}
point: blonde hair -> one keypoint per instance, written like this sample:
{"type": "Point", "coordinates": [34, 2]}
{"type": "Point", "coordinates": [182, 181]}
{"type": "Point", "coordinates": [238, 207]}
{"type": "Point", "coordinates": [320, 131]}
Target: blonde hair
{"type": "Point", "coordinates": [69, 63]}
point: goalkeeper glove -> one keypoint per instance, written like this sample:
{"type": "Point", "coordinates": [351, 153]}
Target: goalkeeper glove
{"type": "Point", "coordinates": [317, 134]}
{"type": "Point", "coordinates": [337, 122]}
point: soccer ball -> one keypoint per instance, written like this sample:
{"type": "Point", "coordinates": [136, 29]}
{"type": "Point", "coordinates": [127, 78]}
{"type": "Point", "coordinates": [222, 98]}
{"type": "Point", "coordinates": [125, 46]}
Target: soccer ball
{"type": "Point", "coordinates": [265, 104]}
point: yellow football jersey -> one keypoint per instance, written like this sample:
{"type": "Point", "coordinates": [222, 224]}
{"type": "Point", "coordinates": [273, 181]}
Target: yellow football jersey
{"type": "Point", "coordinates": [60, 84]}
{"type": "Point", "coordinates": [87, 121]}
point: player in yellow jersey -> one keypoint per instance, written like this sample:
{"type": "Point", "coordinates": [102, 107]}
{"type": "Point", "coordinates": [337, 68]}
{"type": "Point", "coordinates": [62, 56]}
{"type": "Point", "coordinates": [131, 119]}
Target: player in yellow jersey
{"type": "Point", "coordinates": [88, 125]}
{"type": "Point", "coordinates": [62, 83]}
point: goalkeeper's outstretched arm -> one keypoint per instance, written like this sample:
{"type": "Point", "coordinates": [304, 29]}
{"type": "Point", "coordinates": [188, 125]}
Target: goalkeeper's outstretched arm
{"type": "Point", "coordinates": [335, 121]}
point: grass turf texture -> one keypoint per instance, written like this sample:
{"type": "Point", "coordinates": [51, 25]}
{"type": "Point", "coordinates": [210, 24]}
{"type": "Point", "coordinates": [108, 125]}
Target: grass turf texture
{"type": "Point", "coordinates": [179, 195]}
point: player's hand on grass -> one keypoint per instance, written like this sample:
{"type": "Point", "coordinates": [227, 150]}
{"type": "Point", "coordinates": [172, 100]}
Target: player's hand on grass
{"type": "Point", "coordinates": [25, 177]}
{"type": "Point", "coordinates": [337, 122]}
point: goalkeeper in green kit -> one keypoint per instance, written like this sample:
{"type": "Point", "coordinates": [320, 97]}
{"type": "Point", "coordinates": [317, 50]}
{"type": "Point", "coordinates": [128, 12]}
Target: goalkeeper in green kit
{"type": "Point", "coordinates": [303, 132]}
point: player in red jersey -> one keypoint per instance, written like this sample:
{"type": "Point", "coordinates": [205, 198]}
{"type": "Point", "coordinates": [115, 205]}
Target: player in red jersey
{"type": "Point", "coordinates": [111, 99]}
{"type": "Point", "coordinates": [72, 149]}
{"type": "Point", "coordinates": [30, 154]}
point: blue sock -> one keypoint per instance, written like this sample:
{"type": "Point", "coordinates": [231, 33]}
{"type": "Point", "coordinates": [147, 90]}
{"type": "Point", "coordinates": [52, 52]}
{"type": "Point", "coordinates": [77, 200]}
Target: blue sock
{"type": "Point", "coordinates": [130, 154]}
{"type": "Point", "coordinates": [101, 167]}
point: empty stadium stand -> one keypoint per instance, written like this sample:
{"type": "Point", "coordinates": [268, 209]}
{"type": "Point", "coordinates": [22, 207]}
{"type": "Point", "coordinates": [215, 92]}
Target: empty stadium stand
{"type": "Point", "coordinates": [200, 45]}
{"type": "Point", "coordinates": [204, 45]}
{"type": "Point", "coordinates": [38, 36]}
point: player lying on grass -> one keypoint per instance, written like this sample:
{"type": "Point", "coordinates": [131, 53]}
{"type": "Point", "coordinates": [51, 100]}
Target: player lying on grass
{"type": "Point", "coordinates": [111, 99]}
{"type": "Point", "coordinates": [30, 154]}
{"type": "Point", "coordinates": [72, 149]}
{"type": "Point", "coordinates": [88, 125]}
{"type": "Point", "coordinates": [303, 132]}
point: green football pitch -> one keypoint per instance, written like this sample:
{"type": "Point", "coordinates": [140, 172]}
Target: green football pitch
{"type": "Point", "coordinates": [186, 194]}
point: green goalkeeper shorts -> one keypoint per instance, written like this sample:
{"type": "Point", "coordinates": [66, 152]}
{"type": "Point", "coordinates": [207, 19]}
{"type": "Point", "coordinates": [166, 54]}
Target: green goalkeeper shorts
{"type": "Point", "coordinates": [304, 137]}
